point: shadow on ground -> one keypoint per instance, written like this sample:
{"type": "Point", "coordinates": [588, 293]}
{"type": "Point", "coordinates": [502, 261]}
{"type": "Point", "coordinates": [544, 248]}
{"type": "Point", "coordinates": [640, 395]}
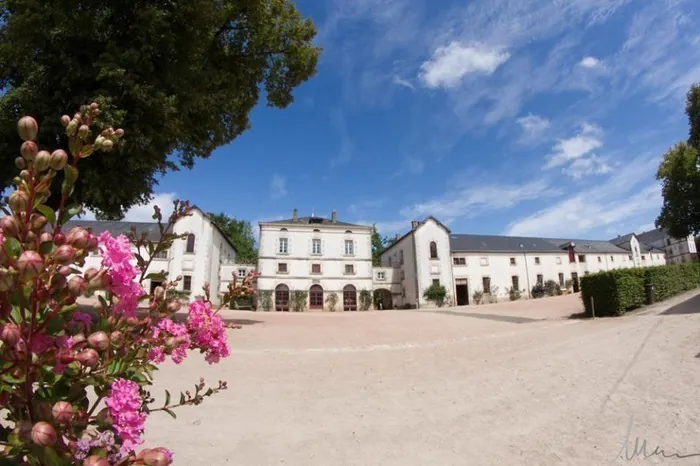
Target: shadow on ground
{"type": "Point", "coordinates": [499, 318]}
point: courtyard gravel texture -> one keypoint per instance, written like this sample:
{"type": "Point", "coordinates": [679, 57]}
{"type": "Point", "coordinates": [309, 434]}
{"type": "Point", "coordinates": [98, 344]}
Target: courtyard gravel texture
{"type": "Point", "coordinates": [512, 383]}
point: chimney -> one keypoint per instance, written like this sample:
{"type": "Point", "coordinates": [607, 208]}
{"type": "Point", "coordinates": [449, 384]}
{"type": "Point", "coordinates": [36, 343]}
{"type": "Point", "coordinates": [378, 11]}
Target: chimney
{"type": "Point", "coordinates": [334, 217]}
{"type": "Point", "coordinates": [414, 225]}
{"type": "Point", "coordinates": [295, 214]}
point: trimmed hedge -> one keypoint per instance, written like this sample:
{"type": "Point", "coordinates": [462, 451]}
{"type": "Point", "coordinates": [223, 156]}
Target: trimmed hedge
{"type": "Point", "coordinates": [618, 291]}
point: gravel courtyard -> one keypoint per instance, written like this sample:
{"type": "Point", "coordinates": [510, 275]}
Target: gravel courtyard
{"type": "Point", "coordinates": [513, 383]}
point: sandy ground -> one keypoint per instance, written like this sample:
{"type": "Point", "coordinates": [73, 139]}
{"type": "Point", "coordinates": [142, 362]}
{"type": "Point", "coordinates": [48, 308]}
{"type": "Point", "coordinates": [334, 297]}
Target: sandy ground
{"type": "Point", "coordinates": [514, 383]}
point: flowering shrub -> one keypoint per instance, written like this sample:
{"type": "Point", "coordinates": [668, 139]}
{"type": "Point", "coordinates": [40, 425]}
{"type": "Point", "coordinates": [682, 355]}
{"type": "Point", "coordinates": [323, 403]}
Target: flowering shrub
{"type": "Point", "coordinates": [73, 383]}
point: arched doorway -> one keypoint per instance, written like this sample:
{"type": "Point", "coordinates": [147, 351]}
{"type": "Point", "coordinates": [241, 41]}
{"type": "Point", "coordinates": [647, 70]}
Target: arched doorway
{"type": "Point", "coordinates": [349, 298]}
{"type": "Point", "coordinates": [316, 297]}
{"type": "Point", "coordinates": [382, 299]}
{"type": "Point", "coordinates": [282, 298]}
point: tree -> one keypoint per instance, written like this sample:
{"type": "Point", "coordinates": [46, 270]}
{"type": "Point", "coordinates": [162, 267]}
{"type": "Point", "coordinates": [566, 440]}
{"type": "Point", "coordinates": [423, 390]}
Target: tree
{"type": "Point", "coordinates": [378, 247]}
{"type": "Point", "coordinates": [240, 233]}
{"type": "Point", "coordinates": [680, 177]}
{"type": "Point", "coordinates": [183, 74]}
{"type": "Point", "coordinates": [436, 293]}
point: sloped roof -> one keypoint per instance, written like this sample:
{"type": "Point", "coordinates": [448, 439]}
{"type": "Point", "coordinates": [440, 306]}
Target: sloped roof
{"type": "Point", "coordinates": [623, 241]}
{"type": "Point", "coordinates": [652, 236]}
{"type": "Point", "coordinates": [492, 243]}
{"type": "Point", "coordinates": [313, 221]}
{"type": "Point", "coordinates": [115, 227]}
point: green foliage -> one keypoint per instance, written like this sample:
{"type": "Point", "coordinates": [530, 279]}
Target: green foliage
{"type": "Point", "coordinates": [619, 291]}
{"type": "Point", "coordinates": [299, 299]}
{"type": "Point", "coordinates": [365, 300]}
{"type": "Point", "coordinates": [332, 301]}
{"type": "Point", "coordinates": [552, 288]}
{"type": "Point", "coordinates": [568, 284]}
{"type": "Point", "coordinates": [240, 233]}
{"type": "Point", "coordinates": [477, 296]}
{"type": "Point", "coordinates": [514, 294]}
{"type": "Point", "coordinates": [379, 245]}
{"type": "Point", "coordinates": [184, 75]}
{"type": "Point", "coordinates": [692, 109]}
{"type": "Point", "coordinates": [265, 300]}
{"type": "Point", "coordinates": [436, 293]}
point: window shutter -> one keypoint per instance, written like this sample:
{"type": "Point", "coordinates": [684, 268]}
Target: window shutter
{"type": "Point", "coordinates": [311, 246]}
{"type": "Point", "coordinates": [323, 247]}
{"type": "Point", "coordinates": [354, 247]}
{"type": "Point", "coordinates": [289, 245]}
{"type": "Point", "coordinates": [277, 245]}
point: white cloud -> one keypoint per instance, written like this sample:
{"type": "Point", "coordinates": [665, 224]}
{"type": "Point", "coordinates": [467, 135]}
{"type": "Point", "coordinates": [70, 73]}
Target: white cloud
{"type": "Point", "coordinates": [532, 126]}
{"type": "Point", "coordinates": [584, 166]}
{"type": "Point", "coordinates": [411, 165]}
{"type": "Point", "coordinates": [628, 194]}
{"type": "Point", "coordinates": [346, 146]}
{"type": "Point", "coordinates": [388, 228]}
{"type": "Point", "coordinates": [403, 82]}
{"type": "Point", "coordinates": [144, 212]}
{"type": "Point", "coordinates": [474, 201]}
{"type": "Point", "coordinates": [278, 186]}
{"type": "Point", "coordinates": [590, 62]}
{"type": "Point", "coordinates": [567, 150]}
{"type": "Point", "coordinates": [451, 63]}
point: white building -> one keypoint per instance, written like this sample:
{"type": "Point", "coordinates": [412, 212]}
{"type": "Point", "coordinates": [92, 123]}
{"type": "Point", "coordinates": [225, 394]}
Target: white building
{"type": "Point", "coordinates": [318, 256]}
{"type": "Point", "coordinates": [678, 250]}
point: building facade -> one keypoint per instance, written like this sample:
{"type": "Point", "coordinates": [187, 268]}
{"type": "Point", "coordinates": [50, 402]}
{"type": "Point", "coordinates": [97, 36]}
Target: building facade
{"type": "Point", "coordinates": [678, 250]}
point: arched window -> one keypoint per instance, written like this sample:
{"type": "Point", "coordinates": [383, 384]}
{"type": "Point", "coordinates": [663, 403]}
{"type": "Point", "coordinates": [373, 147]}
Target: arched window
{"type": "Point", "coordinates": [433, 250]}
{"type": "Point", "coordinates": [282, 298]}
{"type": "Point", "coordinates": [349, 298]}
{"type": "Point", "coordinates": [316, 297]}
{"type": "Point", "coordinates": [190, 243]}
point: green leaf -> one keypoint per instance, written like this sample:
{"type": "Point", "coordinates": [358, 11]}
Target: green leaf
{"type": "Point", "coordinates": [55, 324]}
{"type": "Point", "coordinates": [9, 378]}
{"type": "Point", "coordinates": [46, 247]}
{"type": "Point", "coordinates": [70, 212]}
{"type": "Point", "coordinates": [47, 212]}
{"type": "Point", "coordinates": [71, 174]}
{"type": "Point", "coordinates": [182, 398]}
{"type": "Point", "coordinates": [170, 411]}
{"type": "Point", "coordinates": [51, 458]}
{"type": "Point", "coordinates": [156, 276]}
{"type": "Point", "coordinates": [13, 247]}
{"type": "Point", "coordinates": [167, 398]}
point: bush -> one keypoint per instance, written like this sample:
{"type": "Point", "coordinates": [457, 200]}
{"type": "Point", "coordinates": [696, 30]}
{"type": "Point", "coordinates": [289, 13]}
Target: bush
{"type": "Point", "coordinates": [299, 301]}
{"type": "Point", "coordinates": [265, 300]}
{"type": "Point", "coordinates": [619, 291]}
{"type": "Point", "coordinates": [514, 294]}
{"type": "Point", "coordinates": [477, 296]}
{"type": "Point", "coordinates": [552, 288]}
{"type": "Point", "coordinates": [568, 284]}
{"type": "Point", "coordinates": [436, 293]}
{"type": "Point", "coordinates": [365, 300]}
{"type": "Point", "coordinates": [538, 291]}
{"type": "Point", "coordinates": [332, 301]}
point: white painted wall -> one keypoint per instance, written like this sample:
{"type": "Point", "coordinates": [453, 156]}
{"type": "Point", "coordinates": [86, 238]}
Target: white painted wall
{"type": "Point", "coordinates": [431, 269]}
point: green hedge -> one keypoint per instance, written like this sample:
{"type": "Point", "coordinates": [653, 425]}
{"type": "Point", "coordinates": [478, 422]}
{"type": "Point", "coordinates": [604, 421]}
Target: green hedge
{"type": "Point", "coordinates": [619, 291]}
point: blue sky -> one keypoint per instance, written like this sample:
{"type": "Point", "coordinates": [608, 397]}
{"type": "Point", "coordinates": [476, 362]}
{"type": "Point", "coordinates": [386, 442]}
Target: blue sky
{"type": "Point", "coordinates": [527, 117]}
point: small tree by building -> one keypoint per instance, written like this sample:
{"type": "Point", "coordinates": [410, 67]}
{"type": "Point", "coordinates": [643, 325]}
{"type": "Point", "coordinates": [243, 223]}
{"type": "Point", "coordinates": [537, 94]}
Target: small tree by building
{"type": "Point", "coordinates": [477, 296]}
{"type": "Point", "coordinates": [332, 301]}
{"type": "Point", "coordinates": [436, 293]}
{"type": "Point", "coordinates": [265, 300]}
{"type": "Point", "coordinates": [552, 288]}
{"type": "Point", "coordinates": [514, 294]}
{"type": "Point", "coordinates": [299, 301]}
{"type": "Point", "coordinates": [365, 300]}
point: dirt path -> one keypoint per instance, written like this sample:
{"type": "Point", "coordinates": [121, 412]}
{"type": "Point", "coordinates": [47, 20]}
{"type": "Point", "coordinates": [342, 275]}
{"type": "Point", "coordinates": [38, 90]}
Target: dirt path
{"type": "Point", "coordinates": [464, 387]}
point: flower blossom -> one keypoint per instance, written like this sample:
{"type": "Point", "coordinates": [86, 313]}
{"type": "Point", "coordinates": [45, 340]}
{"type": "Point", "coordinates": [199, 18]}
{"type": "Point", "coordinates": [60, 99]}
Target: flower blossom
{"type": "Point", "coordinates": [124, 403]}
{"type": "Point", "coordinates": [117, 258]}
{"type": "Point", "coordinates": [166, 328]}
{"type": "Point", "coordinates": [207, 331]}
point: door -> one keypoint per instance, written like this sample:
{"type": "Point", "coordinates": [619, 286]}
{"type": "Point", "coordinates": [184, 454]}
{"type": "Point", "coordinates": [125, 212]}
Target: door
{"type": "Point", "coordinates": [282, 298]}
{"type": "Point", "coordinates": [349, 298]}
{"type": "Point", "coordinates": [462, 292]}
{"type": "Point", "coordinates": [574, 281]}
{"type": "Point", "coordinates": [316, 297]}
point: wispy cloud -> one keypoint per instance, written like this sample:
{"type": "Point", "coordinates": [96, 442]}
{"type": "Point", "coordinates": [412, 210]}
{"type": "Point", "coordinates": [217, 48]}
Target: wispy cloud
{"type": "Point", "coordinates": [403, 82]}
{"type": "Point", "coordinates": [592, 165]}
{"type": "Point", "coordinates": [449, 64]}
{"type": "Point", "coordinates": [144, 212]}
{"type": "Point", "coordinates": [587, 140]}
{"type": "Point", "coordinates": [590, 62]}
{"type": "Point", "coordinates": [346, 147]}
{"type": "Point", "coordinates": [532, 127]}
{"type": "Point", "coordinates": [278, 186]}
{"type": "Point", "coordinates": [411, 165]}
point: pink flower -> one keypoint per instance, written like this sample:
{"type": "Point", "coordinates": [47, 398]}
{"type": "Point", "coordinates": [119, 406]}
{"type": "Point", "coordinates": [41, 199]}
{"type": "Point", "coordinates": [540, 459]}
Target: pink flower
{"type": "Point", "coordinates": [167, 329]}
{"type": "Point", "coordinates": [124, 403]}
{"type": "Point", "coordinates": [207, 331]}
{"type": "Point", "coordinates": [117, 258]}
{"type": "Point", "coordinates": [65, 342]}
{"type": "Point", "coordinates": [40, 343]}
{"type": "Point", "coordinates": [83, 319]}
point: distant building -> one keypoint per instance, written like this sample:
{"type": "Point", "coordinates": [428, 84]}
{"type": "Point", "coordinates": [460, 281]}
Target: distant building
{"type": "Point", "coordinates": [678, 250]}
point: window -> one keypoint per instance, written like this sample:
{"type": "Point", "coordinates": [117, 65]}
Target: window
{"type": "Point", "coordinates": [515, 280]}
{"type": "Point", "coordinates": [512, 261]}
{"type": "Point", "coordinates": [612, 258]}
{"type": "Point", "coordinates": [316, 268]}
{"type": "Point", "coordinates": [389, 261]}
{"type": "Point", "coordinates": [282, 298]}
{"type": "Point", "coordinates": [349, 247]}
{"type": "Point", "coordinates": [600, 259]}
{"type": "Point", "coordinates": [381, 276]}
{"type": "Point", "coordinates": [486, 282]}
{"type": "Point", "coordinates": [668, 241]}
{"type": "Point", "coordinates": [242, 273]}
{"type": "Point", "coordinates": [537, 261]}
{"type": "Point", "coordinates": [540, 279]}
{"type": "Point", "coordinates": [460, 261]}
{"type": "Point", "coordinates": [630, 257]}
{"type": "Point", "coordinates": [349, 269]}
{"type": "Point", "coordinates": [484, 261]}
{"type": "Point", "coordinates": [159, 255]}
{"type": "Point", "coordinates": [433, 250]}
{"type": "Point", "coordinates": [316, 297]}
{"type": "Point", "coordinates": [401, 257]}
{"type": "Point", "coordinates": [284, 246]}
{"type": "Point", "coordinates": [658, 257]}
{"type": "Point", "coordinates": [190, 243]}
{"type": "Point", "coordinates": [349, 298]}
{"type": "Point", "coordinates": [582, 258]}
{"type": "Point", "coordinates": [559, 261]}
{"type": "Point", "coordinates": [282, 268]}
{"type": "Point", "coordinates": [561, 279]}
{"type": "Point", "coordinates": [436, 281]}
{"type": "Point", "coordinates": [187, 283]}
{"type": "Point", "coordinates": [644, 258]}
{"type": "Point", "coordinates": [572, 255]}
{"type": "Point", "coordinates": [316, 247]}
{"type": "Point", "coordinates": [403, 275]}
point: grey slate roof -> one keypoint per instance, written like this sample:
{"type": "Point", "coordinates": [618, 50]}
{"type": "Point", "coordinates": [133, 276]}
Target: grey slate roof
{"type": "Point", "coordinates": [314, 221]}
{"type": "Point", "coordinates": [652, 236]}
{"type": "Point", "coordinates": [114, 227]}
{"type": "Point", "coordinates": [623, 241]}
{"type": "Point", "coordinates": [487, 243]}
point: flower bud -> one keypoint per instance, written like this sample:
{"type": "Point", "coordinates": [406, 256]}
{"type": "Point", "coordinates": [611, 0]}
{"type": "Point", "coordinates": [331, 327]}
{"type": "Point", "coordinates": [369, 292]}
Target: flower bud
{"type": "Point", "coordinates": [95, 460]}
{"type": "Point", "coordinates": [64, 254]}
{"type": "Point", "coordinates": [78, 338]}
{"type": "Point", "coordinates": [65, 119]}
{"type": "Point", "coordinates": [27, 127]}
{"type": "Point", "coordinates": [119, 132]}
{"type": "Point", "coordinates": [3, 255]}
{"type": "Point", "coordinates": [6, 280]}
{"type": "Point", "coordinates": [42, 160]}
{"type": "Point", "coordinates": [91, 273]}
{"type": "Point", "coordinates": [43, 434]}
{"type": "Point", "coordinates": [37, 222]}
{"type": "Point", "coordinates": [159, 292]}
{"type": "Point", "coordinates": [62, 412]}
{"type": "Point", "coordinates": [20, 163]}
{"type": "Point", "coordinates": [78, 117]}
{"type": "Point", "coordinates": [104, 417]}
{"type": "Point", "coordinates": [29, 150]}
{"type": "Point", "coordinates": [94, 106]}
{"type": "Point", "coordinates": [59, 239]}
{"type": "Point", "coordinates": [46, 237]}
{"type": "Point", "coordinates": [72, 128]}
{"type": "Point", "coordinates": [59, 159]}
{"type": "Point", "coordinates": [78, 237]}
{"type": "Point", "coordinates": [65, 357]}
{"type": "Point", "coordinates": [117, 338]}
{"type": "Point", "coordinates": [30, 264]}
{"type": "Point", "coordinates": [174, 306]}
{"type": "Point", "coordinates": [10, 334]}
{"type": "Point", "coordinates": [157, 457]}
{"type": "Point", "coordinates": [83, 131]}
{"type": "Point", "coordinates": [107, 145]}
{"type": "Point", "coordinates": [99, 341]}
{"type": "Point", "coordinates": [77, 286]}
{"type": "Point", "coordinates": [18, 201]}
{"type": "Point", "coordinates": [9, 227]}
{"type": "Point", "coordinates": [98, 142]}
{"type": "Point", "coordinates": [23, 429]}
{"type": "Point", "coordinates": [88, 357]}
